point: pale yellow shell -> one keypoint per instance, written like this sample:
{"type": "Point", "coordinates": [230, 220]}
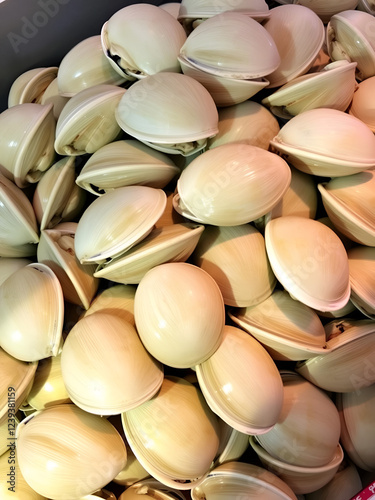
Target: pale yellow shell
{"type": "Point", "coordinates": [14, 485]}
{"type": "Point", "coordinates": [31, 85]}
{"type": "Point", "coordinates": [117, 299]}
{"type": "Point", "coordinates": [51, 96]}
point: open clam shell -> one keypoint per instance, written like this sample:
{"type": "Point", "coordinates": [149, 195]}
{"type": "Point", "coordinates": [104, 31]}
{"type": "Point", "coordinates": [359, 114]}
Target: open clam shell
{"type": "Point", "coordinates": [348, 366]}
{"type": "Point", "coordinates": [349, 202]}
{"type": "Point", "coordinates": [363, 104]}
{"type": "Point", "coordinates": [125, 163]}
{"type": "Point", "coordinates": [362, 279]}
{"type": "Point", "coordinates": [117, 299]}
{"type": "Point", "coordinates": [288, 329]}
{"type": "Point", "coordinates": [27, 334]}
{"type": "Point", "coordinates": [316, 142]}
{"type": "Point", "coordinates": [116, 221]}
{"type": "Point", "coordinates": [31, 85]}
{"type": "Point", "coordinates": [247, 403]}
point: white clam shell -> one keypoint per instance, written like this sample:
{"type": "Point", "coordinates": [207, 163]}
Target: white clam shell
{"type": "Point", "coordinates": [362, 279]}
{"type": "Point", "coordinates": [31, 85]}
{"type": "Point", "coordinates": [179, 314]}
{"type": "Point", "coordinates": [202, 9]}
{"type": "Point", "coordinates": [362, 105]}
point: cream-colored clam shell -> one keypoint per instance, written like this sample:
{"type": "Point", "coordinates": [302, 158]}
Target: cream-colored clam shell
{"type": "Point", "coordinates": [8, 265]}
{"type": "Point", "coordinates": [142, 39]}
{"type": "Point", "coordinates": [14, 485]}
{"type": "Point", "coordinates": [175, 436]}
{"type": "Point", "coordinates": [105, 368]}
{"type": "Point", "coordinates": [298, 34]}
{"type": "Point", "coordinates": [348, 366]}
{"type": "Point", "coordinates": [232, 184]}
{"type": "Point", "coordinates": [248, 122]}
{"type": "Point", "coordinates": [179, 314]}
{"type": "Point", "coordinates": [326, 142]}
{"type": "Point", "coordinates": [349, 202]}
{"type": "Point", "coordinates": [60, 448]}
{"type": "Point", "coordinates": [87, 121]}
{"type": "Point", "coordinates": [84, 66]}
{"type": "Point", "coordinates": [362, 279]}
{"type": "Point", "coordinates": [31, 85]}
{"type": "Point", "coordinates": [241, 383]}
{"type": "Point", "coordinates": [325, 9]}
{"type": "Point", "coordinates": [170, 112]}
{"type": "Point", "coordinates": [25, 333]}
{"type": "Point", "coordinates": [171, 7]}
{"type": "Point", "coordinates": [332, 87]}
{"type": "Point", "coordinates": [213, 46]}
{"type": "Point", "coordinates": [288, 329]}
{"type": "Point", "coordinates": [362, 105]}
{"type": "Point", "coordinates": [174, 243]}
{"type": "Point", "coordinates": [117, 299]}
{"type": "Point", "coordinates": [309, 260]}
{"type": "Point", "coordinates": [51, 96]}
{"type": "Point", "coordinates": [191, 10]}
{"type": "Point", "coordinates": [26, 250]}
{"type": "Point", "coordinates": [125, 163]}
{"type": "Point", "coordinates": [116, 221]}
{"type": "Point", "coordinates": [309, 421]}
{"type": "Point", "coordinates": [27, 133]}
{"type": "Point", "coordinates": [346, 482]}
{"type": "Point", "coordinates": [132, 471]}
{"type": "Point", "coordinates": [235, 256]}
{"type": "Point", "coordinates": [233, 444]}
{"type": "Point", "coordinates": [56, 250]}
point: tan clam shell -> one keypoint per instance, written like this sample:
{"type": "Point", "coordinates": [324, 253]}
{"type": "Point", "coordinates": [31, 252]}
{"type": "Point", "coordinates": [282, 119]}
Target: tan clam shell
{"type": "Point", "coordinates": [117, 299]}
{"type": "Point", "coordinates": [56, 250]}
{"type": "Point", "coordinates": [298, 34]}
{"type": "Point", "coordinates": [174, 435]}
{"type": "Point", "coordinates": [235, 256]}
{"type": "Point", "coordinates": [15, 486]}
{"type": "Point", "coordinates": [8, 265]}
{"type": "Point", "coordinates": [288, 329]}
{"type": "Point", "coordinates": [132, 472]}
{"type": "Point", "coordinates": [60, 447]}
{"type": "Point", "coordinates": [349, 203]}
{"type": "Point", "coordinates": [87, 121]}
{"type": "Point", "coordinates": [362, 279]}
{"type": "Point", "coordinates": [99, 348]}
{"type": "Point", "coordinates": [51, 96]}
{"type": "Point", "coordinates": [316, 142]}
{"type": "Point", "coordinates": [345, 482]}
{"type": "Point", "coordinates": [348, 366]}
{"type": "Point", "coordinates": [31, 85]}
{"type": "Point", "coordinates": [304, 254]}
{"type": "Point", "coordinates": [362, 105]}
{"type": "Point", "coordinates": [125, 163]}
{"type": "Point", "coordinates": [233, 390]}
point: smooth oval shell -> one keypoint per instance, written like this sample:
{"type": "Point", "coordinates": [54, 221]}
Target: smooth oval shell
{"type": "Point", "coordinates": [117, 299]}
{"type": "Point", "coordinates": [362, 279]}
{"type": "Point", "coordinates": [8, 265]}
{"type": "Point", "coordinates": [362, 105]}
{"type": "Point", "coordinates": [179, 314]}
{"type": "Point", "coordinates": [31, 85]}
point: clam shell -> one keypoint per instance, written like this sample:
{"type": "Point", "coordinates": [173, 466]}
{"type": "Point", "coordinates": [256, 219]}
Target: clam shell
{"type": "Point", "coordinates": [316, 142]}
{"type": "Point", "coordinates": [345, 482]}
{"type": "Point", "coordinates": [150, 488]}
{"type": "Point", "coordinates": [28, 335]}
{"type": "Point", "coordinates": [171, 7]}
{"type": "Point", "coordinates": [304, 254]}
{"type": "Point", "coordinates": [60, 447]}
{"type": "Point", "coordinates": [233, 444]}
{"type": "Point", "coordinates": [366, 6]}
{"type": "Point", "coordinates": [213, 47]}
{"type": "Point", "coordinates": [202, 9]}
{"type": "Point", "coordinates": [4, 434]}
{"type": "Point", "coordinates": [116, 221]}
{"type": "Point", "coordinates": [298, 34]}
{"type": "Point", "coordinates": [174, 435]}
{"type": "Point", "coordinates": [31, 85]}
{"type": "Point", "coordinates": [15, 487]}
{"type": "Point", "coordinates": [362, 105]}
{"type": "Point", "coordinates": [8, 265]}
{"type": "Point", "coordinates": [362, 279]}
{"type": "Point", "coordinates": [51, 96]}
{"type": "Point", "coordinates": [231, 185]}
{"type": "Point", "coordinates": [99, 348]}
{"type": "Point", "coordinates": [87, 121]}
{"type": "Point", "coordinates": [325, 9]}
{"type": "Point", "coordinates": [126, 163]}
{"type": "Point", "coordinates": [117, 299]}
{"type": "Point", "coordinates": [349, 203]}
{"type": "Point", "coordinates": [232, 389]}
{"type": "Point", "coordinates": [288, 329]}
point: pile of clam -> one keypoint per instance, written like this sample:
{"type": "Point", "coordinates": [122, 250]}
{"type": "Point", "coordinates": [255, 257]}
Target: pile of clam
{"type": "Point", "coordinates": [187, 258]}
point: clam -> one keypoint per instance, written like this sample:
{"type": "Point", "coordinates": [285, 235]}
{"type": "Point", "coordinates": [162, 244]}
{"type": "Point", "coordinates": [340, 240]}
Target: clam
{"type": "Point", "coordinates": [174, 243]}
{"type": "Point", "coordinates": [117, 299]}
{"type": "Point", "coordinates": [126, 163]}
{"type": "Point", "coordinates": [307, 431]}
{"type": "Point", "coordinates": [366, 6]}
{"type": "Point", "coordinates": [51, 96]}
{"type": "Point", "coordinates": [8, 265]}
{"type": "Point", "coordinates": [134, 54]}
{"type": "Point", "coordinates": [349, 364]}
{"type": "Point", "coordinates": [56, 250]}
{"type": "Point", "coordinates": [26, 332]}
{"type": "Point", "coordinates": [231, 185]}
{"type": "Point", "coordinates": [31, 85]}
{"type": "Point", "coordinates": [248, 122]}
{"type": "Point", "coordinates": [213, 46]}
{"type": "Point", "coordinates": [14, 486]}
{"type": "Point", "coordinates": [241, 383]}
{"type": "Point", "coordinates": [171, 7]}
{"type": "Point", "coordinates": [84, 66]}
{"type": "Point", "coordinates": [174, 435]}
{"type": "Point", "coordinates": [332, 87]}
{"type": "Point", "coordinates": [326, 142]}
{"type": "Point", "coordinates": [100, 348]}
{"type": "Point", "coordinates": [233, 444]}
{"type": "Point", "coordinates": [56, 197]}
{"type": "Point", "coordinates": [346, 482]}
{"type": "Point", "coordinates": [305, 254]}
{"type": "Point", "coordinates": [362, 279]}
{"type": "Point", "coordinates": [235, 256]}
{"type": "Point", "coordinates": [350, 36]}
{"type": "Point", "coordinates": [288, 329]}
{"type": "Point", "coordinates": [27, 132]}
{"type": "Point", "coordinates": [132, 472]}
{"type": "Point", "coordinates": [64, 452]}
{"type": "Point", "coordinates": [298, 34]}
{"type": "Point", "coordinates": [357, 431]}
{"type": "Point", "coordinates": [151, 489]}
{"type": "Point", "coordinates": [349, 203]}
{"type": "Point", "coordinates": [170, 112]}
{"type": "Point", "coordinates": [362, 105]}
{"type": "Point", "coordinates": [325, 9]}
{"type": "Point", "coordinates": [87, 121]}
{"type": "Point", "coordinates": [241, 480]}
{"type": "Point", "coordinates": [116, 221]}
{"type": "Point", "coordinates": [179, 314]}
